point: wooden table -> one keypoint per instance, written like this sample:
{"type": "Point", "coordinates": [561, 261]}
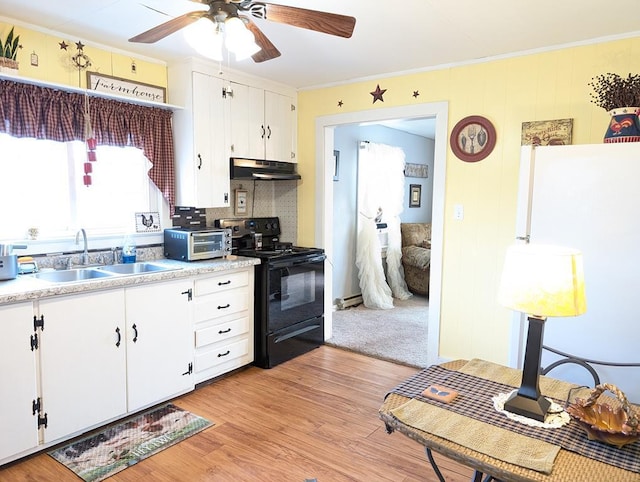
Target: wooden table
{"type": "Point", "coordinates": [568, 466]}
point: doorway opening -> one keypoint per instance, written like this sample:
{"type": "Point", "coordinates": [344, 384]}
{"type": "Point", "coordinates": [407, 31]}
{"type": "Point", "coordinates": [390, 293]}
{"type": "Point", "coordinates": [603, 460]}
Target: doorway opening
{"type": "Point", "coordinates": [325, 171]}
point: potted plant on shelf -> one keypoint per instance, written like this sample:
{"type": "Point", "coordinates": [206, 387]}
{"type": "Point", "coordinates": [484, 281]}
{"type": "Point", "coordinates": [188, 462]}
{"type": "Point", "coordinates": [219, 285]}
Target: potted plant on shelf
{"type": "Point", "coordinates": [620, 97]}
{"type": "Point", "coordinates": [8, 53]}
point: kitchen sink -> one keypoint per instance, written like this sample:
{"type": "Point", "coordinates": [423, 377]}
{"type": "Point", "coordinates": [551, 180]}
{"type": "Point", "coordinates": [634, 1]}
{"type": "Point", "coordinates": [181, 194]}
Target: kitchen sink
{"type": "Point", "coordinates": [134, 268]}
{"type": "Point", "coordinates": [101, 272]}
{"type": "Point", "coordinates": [72, 275]}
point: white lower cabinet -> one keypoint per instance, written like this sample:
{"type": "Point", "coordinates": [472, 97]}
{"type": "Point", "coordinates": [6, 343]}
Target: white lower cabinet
{"type": "Point", "coordinates": [18, 422]}
{"type": "Point", "coordinates": [71, 363]}
{"type": "Point", "coordinates": [223, 316]}
{"type": "Point", "coordinates": [159, 342]}
{"type": "Point", "coordinates": [82, 361]}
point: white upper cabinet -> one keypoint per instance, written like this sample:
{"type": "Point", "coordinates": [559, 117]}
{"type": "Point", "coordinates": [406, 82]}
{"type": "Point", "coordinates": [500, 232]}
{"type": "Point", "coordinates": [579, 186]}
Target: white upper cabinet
{"type": "Point", "coordinates": [225, 115]}
{"type": "Point", "coordinates": [202, 161]}
{"type": "Point", "coordinates": [262, 123]}
{"type": "Point", "coordinates": [280, 121]}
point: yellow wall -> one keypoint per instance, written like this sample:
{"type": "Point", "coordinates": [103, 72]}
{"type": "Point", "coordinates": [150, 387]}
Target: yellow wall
{"type": "Point", "coordinates": [55, 65]}
{"type": "Point", "coordinates": [543, 86]}
{"type": "Point", "coordinates": [508, 92]}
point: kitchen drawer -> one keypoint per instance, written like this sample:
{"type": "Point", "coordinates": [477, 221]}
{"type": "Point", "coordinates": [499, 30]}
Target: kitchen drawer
{"type": "Point", "coordinates": [223, 282]}
{"type": "Point", "coordinates": [222, 304]}
{"type": "Point", "coordinates": [206, 359]}
{"type": "Point", "coordinates": [222, 331]}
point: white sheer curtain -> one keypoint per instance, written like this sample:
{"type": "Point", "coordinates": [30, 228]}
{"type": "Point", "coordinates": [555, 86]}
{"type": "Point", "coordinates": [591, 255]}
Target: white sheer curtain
{"type": "Point", "coordinates": [380, 189]}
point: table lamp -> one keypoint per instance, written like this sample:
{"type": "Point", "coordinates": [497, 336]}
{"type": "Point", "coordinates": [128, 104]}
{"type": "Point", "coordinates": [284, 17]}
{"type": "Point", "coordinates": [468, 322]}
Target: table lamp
{"type": "Point", "coordinates": [540, 281]}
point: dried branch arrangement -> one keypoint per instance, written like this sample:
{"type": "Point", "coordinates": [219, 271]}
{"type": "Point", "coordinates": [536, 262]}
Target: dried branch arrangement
{"type": "Point", "coordinates": [611, 91]}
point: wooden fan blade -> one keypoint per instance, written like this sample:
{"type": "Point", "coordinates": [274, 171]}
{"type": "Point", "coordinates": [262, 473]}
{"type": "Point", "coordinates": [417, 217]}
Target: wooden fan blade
{"type": "Point", "coordinates": [268, 50]}
{"type": "Point", "coordinates": [331, 23]}
{"type": "Point", "coordinates": [167, 28]}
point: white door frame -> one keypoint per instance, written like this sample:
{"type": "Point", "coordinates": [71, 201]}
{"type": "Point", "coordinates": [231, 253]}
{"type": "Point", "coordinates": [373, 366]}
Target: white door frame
{"type": "Point", "coordinates": [324, 132]}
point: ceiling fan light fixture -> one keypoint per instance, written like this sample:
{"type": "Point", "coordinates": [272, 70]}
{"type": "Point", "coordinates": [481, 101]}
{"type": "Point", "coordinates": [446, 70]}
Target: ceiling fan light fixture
{"type": "Point", "coordinates": [206, 38]}
{"type": "Point", "coordinates": [239, 39]}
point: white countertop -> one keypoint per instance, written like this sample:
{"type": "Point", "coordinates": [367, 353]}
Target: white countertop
{"type": "Point", "coordinates": [27, 287]}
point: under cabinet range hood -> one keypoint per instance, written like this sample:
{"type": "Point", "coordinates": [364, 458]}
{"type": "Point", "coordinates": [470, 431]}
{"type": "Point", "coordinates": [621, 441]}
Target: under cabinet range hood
{"type": "Point", "coordinates": [260, 170]}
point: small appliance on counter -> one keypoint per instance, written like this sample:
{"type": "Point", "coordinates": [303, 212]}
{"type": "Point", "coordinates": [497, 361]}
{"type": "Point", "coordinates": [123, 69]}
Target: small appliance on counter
{"type": "Point", "coordinates": [186, 244]}
{"type": "Point", "coordinates": [9, 261]}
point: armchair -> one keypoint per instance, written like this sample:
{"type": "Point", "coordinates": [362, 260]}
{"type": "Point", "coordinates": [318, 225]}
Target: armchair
{"type": "Point", "coordinates": [416, 256]}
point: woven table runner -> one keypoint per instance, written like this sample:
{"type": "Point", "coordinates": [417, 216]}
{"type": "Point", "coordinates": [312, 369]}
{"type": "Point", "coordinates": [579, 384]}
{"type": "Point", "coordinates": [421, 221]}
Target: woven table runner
{"type": "Point", "coordinates": [474, 401]}
{"type": "Point", "coordinates": [487, 439]}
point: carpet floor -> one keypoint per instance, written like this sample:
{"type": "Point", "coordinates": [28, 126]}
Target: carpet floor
{"type": "Point", "coordinates": [398, 335]}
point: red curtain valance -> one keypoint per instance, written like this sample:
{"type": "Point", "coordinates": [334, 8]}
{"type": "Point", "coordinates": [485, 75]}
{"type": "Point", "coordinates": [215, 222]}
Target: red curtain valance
{"type": "Point", "coordinates": [28, 110]}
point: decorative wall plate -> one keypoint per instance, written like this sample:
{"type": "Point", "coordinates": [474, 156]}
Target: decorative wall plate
{"type": "Point", "coordinates": [473, 138]}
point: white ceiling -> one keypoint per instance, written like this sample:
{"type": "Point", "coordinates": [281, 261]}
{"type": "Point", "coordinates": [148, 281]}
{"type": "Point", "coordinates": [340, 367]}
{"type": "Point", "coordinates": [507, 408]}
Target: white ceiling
{"type": "Point", "coordinates": [389, 37]}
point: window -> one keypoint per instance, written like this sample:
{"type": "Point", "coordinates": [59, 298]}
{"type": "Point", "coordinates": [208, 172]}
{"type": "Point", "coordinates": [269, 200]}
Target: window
{"type": "Point", "coordinates": [43, 188]}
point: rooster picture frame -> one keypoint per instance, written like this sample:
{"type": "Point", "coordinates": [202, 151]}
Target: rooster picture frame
{"type": "Point", "coordinates": [473, 138]}
{"type": "Point", "coordinates": [148, 222]}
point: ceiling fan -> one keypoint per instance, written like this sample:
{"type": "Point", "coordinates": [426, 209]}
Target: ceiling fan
{"type": "Point", "coordinates": [222, 10]}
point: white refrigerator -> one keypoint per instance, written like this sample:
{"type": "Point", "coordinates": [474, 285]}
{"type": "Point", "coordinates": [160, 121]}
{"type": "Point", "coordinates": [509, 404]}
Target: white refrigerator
{"type": "Point", "coordinates": [588, 197]}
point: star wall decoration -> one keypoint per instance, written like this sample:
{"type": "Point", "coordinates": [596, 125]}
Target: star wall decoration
{"type": "Point", "coordinates": [63, 45]}
{"type": "Point", "coordinates": [340, 103]}
{"type": "Point", "coordinates": [377, 94]}
{"type": "Point", "coordinates": [81, 61]}
{"type": "Point", "coordinates": [416, 94]}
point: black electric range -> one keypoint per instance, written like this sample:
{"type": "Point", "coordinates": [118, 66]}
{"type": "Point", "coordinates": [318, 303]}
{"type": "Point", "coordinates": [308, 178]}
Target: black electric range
{"type": "Point", "coordinates": [289, 290]}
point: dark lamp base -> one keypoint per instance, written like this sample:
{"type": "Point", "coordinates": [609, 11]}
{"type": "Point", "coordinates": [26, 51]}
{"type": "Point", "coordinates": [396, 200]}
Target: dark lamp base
{"type": "Point", "coordinates": [528, 407]}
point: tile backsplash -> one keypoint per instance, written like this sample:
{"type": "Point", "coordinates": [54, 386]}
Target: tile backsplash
{"type": "Point", "coordinates": [264, 199]}
{"type": "Point", "coordinates": [98, 257]}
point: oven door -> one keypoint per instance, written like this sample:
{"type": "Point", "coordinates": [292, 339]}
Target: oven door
{"type": "Point", "coordinates": [296, 291]}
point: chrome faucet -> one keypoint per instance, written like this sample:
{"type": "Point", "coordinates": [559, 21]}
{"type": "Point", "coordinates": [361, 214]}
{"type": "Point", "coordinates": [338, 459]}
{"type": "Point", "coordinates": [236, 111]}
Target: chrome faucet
{"type": "Point", "coordinates": [84, 259]}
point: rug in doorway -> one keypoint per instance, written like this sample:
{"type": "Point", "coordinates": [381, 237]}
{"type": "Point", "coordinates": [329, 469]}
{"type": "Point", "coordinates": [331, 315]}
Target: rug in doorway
{"type": "Point", "coordinates": [100, 455]}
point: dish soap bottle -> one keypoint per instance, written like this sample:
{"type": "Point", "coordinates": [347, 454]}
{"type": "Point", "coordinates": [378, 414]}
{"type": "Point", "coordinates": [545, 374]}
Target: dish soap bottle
{"type": "Point", "coordinates": [128, 250]}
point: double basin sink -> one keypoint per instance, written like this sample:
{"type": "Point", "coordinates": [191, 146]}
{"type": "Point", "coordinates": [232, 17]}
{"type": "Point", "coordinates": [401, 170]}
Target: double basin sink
{"type": "Point", "coordinates": [101, 272]}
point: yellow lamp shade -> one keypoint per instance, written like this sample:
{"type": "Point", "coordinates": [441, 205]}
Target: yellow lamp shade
{"type": "Point", "coordinates": [543, 281]}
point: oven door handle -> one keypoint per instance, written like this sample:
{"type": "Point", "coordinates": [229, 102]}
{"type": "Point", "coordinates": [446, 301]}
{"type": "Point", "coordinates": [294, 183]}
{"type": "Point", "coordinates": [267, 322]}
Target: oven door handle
{"type": "Point", "coordinates": [282, 338]}
{"type": "Point", "coordinates": [288, 263]}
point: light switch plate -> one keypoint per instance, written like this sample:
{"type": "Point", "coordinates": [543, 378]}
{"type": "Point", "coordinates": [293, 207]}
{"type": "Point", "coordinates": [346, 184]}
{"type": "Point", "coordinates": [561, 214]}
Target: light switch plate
{"type": "Point", "coordinates": [458, 212]}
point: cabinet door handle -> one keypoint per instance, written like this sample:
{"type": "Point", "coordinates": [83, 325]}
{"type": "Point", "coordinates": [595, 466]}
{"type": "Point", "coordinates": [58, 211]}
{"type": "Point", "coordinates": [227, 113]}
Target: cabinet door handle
{"type": "Point", "coordinates": [222, 332]}
{"type": "Point", "coordinates": [263, 131]}
{"type": "Point", "coordinates": [269, 130]}
{"type": "Point", "coordinates": [199, 162]}
{"type": "Point", "coordinates": [119, 337]}
{"type": "Point", "coordinates": [223, 354]}
{"type": "Point", "coordinates": [224, 307]}
{"type": "Point", "coordinates": [135, 333]}
{"type": "Point", "coordinates": [223, 283]}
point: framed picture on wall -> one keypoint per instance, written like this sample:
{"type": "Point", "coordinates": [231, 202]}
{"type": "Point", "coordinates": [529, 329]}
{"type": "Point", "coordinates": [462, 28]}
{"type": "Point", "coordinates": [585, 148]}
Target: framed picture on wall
{"type": "Point", "coordinates": [415, 193]}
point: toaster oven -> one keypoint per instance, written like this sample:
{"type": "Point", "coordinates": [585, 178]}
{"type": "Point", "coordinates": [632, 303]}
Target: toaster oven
{"type": "Point", "coordinates": [189, 245]}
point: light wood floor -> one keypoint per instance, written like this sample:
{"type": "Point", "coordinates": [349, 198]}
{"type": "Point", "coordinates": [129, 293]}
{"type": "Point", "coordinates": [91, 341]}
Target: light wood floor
{"type": "Point", "coordinates": [313, 417]}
